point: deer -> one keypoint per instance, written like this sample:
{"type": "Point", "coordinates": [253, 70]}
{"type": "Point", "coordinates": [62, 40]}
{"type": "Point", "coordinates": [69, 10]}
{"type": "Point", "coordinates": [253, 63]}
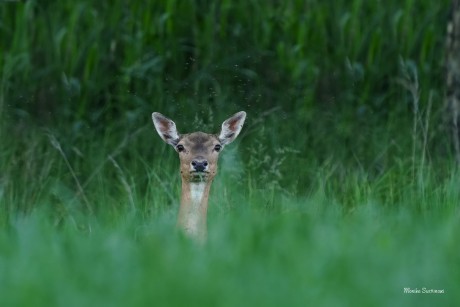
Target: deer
{"type": "Point", "coordinates": [198, 155]}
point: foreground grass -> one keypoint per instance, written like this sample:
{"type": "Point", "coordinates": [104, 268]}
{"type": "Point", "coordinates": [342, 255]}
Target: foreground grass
{"type": "Point", "coordinates": [315, 256]}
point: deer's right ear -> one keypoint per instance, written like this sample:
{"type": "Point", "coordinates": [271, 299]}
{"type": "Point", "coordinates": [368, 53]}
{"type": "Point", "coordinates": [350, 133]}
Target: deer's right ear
{"type": "Point", "coordinates": [231, 128]}
{"type": "Point", "coordinates": [166, 128]}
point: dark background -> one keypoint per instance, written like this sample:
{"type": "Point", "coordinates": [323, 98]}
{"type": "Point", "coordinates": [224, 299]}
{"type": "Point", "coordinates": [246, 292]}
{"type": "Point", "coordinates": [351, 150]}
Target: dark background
{"type": "Point", "coordinates": [357, 85]}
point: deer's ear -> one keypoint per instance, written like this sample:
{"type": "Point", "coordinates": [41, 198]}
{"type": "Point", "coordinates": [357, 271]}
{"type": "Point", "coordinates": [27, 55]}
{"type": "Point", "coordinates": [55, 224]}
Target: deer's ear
{"type": "Point", "coordinates": [166, 128]}
{"type": "Point", "coordinates": [231, 128]}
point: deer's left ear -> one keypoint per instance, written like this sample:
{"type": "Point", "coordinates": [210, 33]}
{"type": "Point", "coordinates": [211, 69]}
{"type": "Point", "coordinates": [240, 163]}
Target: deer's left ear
{"type": "Point", "coordinates": [231, 128]}
{"type": "Point", "coordinates": [166, 128]}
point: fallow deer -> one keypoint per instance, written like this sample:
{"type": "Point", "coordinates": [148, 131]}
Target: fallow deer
{"type": "Point", "coordinates": [198, 154]}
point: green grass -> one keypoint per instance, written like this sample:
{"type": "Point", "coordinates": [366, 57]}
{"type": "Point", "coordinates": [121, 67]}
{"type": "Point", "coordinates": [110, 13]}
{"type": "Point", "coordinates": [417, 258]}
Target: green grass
{"type": "Point", "coordinates": [310, 253]}
{"type": "Point", "coordinates": [351, 240]}
{"type": "Point", "coordinates": [340, 191]}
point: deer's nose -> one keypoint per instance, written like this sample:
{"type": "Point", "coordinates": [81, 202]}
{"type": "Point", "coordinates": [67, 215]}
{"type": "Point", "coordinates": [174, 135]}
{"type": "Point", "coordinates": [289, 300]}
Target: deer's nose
{"type": "Point", "coordinates": [199, 165]}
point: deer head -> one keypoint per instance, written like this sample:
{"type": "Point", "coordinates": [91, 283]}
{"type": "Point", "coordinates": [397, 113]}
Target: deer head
{"type": "Point", "coordinates": [198, 151]}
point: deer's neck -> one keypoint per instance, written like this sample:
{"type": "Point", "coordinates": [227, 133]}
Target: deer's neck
{"type": "Point", "coordinates": [193, 209]}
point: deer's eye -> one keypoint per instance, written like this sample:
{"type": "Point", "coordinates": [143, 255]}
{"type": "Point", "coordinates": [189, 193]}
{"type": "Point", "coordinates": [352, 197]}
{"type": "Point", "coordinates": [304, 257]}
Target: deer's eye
{"type": "Point", "coordinates": [217, 147]}
{"type": "Point", "coordinates": [180, 148]}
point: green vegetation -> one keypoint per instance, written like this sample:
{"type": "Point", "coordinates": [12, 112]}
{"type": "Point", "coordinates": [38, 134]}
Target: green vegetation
{"type": "Point", "coordinates": [341, 189]}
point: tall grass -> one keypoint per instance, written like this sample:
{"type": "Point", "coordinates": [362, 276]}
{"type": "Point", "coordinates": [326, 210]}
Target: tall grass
{"type": "Point", "coordinates": [349, 238]}
{"type": "Point", "coordinates": [310, 252]}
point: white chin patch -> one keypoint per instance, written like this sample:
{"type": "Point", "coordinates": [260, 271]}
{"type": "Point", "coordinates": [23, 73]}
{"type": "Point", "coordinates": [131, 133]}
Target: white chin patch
{"type": "Point", "coordinates": [196, 192]}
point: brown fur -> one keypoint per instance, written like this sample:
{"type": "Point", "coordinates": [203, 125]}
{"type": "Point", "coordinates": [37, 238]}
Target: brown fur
{"type": "Point", "coordinates": [197, 147]}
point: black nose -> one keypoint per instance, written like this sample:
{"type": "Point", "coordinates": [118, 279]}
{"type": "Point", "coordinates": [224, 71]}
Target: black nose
{"type": "Point", "coordinates": [199, 166]}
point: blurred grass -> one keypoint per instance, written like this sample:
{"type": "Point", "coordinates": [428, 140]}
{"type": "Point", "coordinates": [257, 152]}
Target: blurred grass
{"type": "Point", "coordinates": [312, 256]}
{"type": "Point", "coordinates": [336, 192]}
{"type": "Point", "coordinates": [321, 72]}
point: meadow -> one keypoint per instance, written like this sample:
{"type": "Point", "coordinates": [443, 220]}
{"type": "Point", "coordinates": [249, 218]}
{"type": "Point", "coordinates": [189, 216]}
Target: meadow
{"type": "Point", "coordinates": [341, 190]}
